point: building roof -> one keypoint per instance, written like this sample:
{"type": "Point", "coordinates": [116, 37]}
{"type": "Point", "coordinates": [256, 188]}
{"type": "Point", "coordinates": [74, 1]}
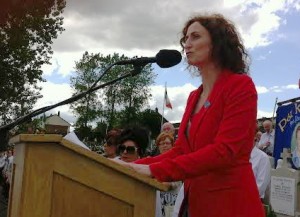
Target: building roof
{"type": "Point", "coordinates": [56, 120]}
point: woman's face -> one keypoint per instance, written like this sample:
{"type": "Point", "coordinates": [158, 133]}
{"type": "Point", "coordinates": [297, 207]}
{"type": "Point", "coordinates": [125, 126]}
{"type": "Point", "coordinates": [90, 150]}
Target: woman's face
{"type": "Point", "coordinates": [198, 45]}
{"type": "Point", "coordinates": [110, 150]}
{"type": "Point", "coordinates": [258, 136]}
{"type": "Point", "coordinates": [298, 139]}
{"type": "Point", "coordinates": [165, 145]}
{"type": "Point", "coordinates": [128, 151]}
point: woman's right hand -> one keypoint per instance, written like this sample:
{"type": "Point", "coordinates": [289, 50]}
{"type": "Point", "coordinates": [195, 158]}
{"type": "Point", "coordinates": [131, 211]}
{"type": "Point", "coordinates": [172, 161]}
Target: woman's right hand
{"type": "Point", "coordinates": [119, 161]}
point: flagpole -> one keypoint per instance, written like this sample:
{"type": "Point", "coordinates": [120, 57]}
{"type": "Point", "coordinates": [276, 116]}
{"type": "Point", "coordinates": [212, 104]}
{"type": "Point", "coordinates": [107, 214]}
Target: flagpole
{"type": "Point", "coordinates": [274, 110]}
{"type": "Point", "coordinates": [163, 106]}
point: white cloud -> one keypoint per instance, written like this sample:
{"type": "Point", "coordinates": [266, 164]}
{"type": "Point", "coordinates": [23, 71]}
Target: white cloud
{"type": "Point", "coordinates": [266, 21]}
{"type": "Point", "coordinates": [178, 97]}
{"type": "Point", "coordinates": [276, 89]}
{"type": "Point", "coordinates": [264, 114]}
{"type": "Point", "coordinates": [49, 68]}
{"type": "Point", "coordinates": [63, 63]}
{"type": "Point", "coordinates": [136, 27]}
{"type": "Point", "coordinates": [261, 89]}
{"type": "Point", "coordinates": [297, 5]}
{"type": "Point", "coordinates": [52, 94]}
{"type": "Point", "coordinates": [264, 56]}
{"type": "Point", "coordinates": [292, 86]}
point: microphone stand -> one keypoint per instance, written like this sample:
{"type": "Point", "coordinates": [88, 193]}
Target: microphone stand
{"type": "Point", "coordinates": [6, 128]}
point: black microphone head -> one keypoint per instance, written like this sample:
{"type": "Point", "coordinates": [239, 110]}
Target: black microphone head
{"type": "Point", "coordinates": [168, 58]}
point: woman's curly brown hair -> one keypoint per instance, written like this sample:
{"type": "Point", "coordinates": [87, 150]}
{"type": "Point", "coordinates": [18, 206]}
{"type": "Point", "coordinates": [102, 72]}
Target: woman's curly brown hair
{"type": "Point", "coordinates": [228, 50]}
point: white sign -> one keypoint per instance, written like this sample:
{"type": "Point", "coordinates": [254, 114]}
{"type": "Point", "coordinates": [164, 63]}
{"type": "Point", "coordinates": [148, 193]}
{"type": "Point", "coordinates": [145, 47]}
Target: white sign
{"type": "Point", "coordinates": [283, 195]}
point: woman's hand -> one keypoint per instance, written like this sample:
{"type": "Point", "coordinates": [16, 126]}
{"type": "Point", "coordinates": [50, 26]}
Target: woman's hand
{"type": "Point", "coordinates": [119, 161]}
{"type": "Point", "coordinates": [140, 168]}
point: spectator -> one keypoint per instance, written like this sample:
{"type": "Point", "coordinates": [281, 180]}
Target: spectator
{"type": "Point", "coordinates": [257, 138]}
{"type": "Point", "coordinates": [165, 201]}
{"type": "Point", "coordinates": [164, 142]}
{"type": "Point", "coordinates": [133, 144]}
{"type": "Point", "coordinates": [168, 128]}
{"type": "Point", "coordinates": [110, 146]}
{"type": "Point", "coordinates": [266, 142]}
{"type": "Point", "coordinates": [261, 167]}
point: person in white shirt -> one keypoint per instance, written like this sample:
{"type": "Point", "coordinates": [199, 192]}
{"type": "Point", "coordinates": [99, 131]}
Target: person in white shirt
{"type": "Point", "coordinates": [266, 142]}
{"type": "Point", "coordinates": [257, 138]}
{"type": "Point", "coordinates": [165, 201]}
{"type": "Point", "coordinates": [178, 201]}
{"type": "Point", "coordinates": [262, 170]}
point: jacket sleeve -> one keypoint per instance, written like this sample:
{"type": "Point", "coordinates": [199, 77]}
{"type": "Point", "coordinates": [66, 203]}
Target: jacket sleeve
{"type": "Point", "coordinates": [234, 132]}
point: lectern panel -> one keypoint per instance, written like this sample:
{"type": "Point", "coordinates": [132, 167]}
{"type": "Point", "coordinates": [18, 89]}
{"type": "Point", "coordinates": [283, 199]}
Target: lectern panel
{"type": "Point", "coordinates": [72, 198]}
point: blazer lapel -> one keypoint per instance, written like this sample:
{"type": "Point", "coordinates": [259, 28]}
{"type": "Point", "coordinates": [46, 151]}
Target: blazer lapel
{"type": "Point", "coordinates": [211, 99]}
{"type": "Point", "coordinates": [187, 114]}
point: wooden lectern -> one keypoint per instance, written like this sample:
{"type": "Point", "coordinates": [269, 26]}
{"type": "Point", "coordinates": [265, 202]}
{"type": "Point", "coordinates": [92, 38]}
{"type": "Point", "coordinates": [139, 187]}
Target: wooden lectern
{"type": "Point", "coordinates": [53, 177]}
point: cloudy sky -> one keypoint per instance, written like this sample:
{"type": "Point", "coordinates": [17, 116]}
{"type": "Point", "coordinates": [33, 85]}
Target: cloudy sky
{"type": "Point", "coordinates": [269, 28]}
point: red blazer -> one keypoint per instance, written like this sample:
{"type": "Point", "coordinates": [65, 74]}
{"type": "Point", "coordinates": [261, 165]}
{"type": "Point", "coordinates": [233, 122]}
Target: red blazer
{"type": "Point", "coordinates": [214, 160]}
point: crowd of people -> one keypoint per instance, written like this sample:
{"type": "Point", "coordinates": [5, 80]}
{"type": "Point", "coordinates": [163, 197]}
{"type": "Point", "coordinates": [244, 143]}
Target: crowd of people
{"type": "Point", "coordinates": [130, 144]}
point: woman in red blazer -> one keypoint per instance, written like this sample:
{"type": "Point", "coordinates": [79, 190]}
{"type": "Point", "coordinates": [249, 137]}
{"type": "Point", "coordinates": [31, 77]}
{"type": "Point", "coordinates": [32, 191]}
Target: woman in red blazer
{"type": "Point", "coordinates": [216, 134]}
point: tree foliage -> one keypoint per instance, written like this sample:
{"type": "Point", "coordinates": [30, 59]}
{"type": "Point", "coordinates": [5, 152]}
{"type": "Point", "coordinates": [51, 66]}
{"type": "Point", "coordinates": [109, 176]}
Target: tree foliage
{"type": "Point", "coordinates": [125, 99]}
{"type": "Point", "coordinates": [27, 29]}
{"type": "Point", "coordinates": [152, 120]}
{"type": "Point", "coordinates": [87, 108]}
{"type": "Point", "coordinates": [117, 104]}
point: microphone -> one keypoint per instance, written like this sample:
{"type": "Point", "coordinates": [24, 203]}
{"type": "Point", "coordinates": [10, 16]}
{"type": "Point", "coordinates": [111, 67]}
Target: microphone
{"type": "Point", "coordinates": [164, 58]}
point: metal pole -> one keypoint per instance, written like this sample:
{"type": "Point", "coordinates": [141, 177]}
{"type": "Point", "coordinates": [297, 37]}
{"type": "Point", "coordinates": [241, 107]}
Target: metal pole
{"type": "Point", "coordinates": [163, 106]}
{"type": "Point", "coordinates": [274, 109]}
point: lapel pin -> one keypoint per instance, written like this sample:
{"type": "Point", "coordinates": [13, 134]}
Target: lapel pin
{"type": "Point", "coordinates": [206, 104]}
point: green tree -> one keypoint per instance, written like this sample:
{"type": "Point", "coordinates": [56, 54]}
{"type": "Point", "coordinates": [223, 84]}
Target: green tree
{"type": "Point", "coordinates": [135, 94]}
{"type": "Point", "coordinates": [86, 109]}
{"type": "Point", "coordinates": [152, 120]}
{"type": "Point", "coordinates": [126, 98]}
{"type": "Point", "coordinates": [27, 29]}
{"type": "Point", "coordinates": [121, 101]}
{"type": "Point", "coordinates": [26, 32]}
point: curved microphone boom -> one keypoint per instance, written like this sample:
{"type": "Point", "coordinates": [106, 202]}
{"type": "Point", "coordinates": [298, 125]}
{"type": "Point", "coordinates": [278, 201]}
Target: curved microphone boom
{"type": "Point", "coordinates": [164, 58]}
